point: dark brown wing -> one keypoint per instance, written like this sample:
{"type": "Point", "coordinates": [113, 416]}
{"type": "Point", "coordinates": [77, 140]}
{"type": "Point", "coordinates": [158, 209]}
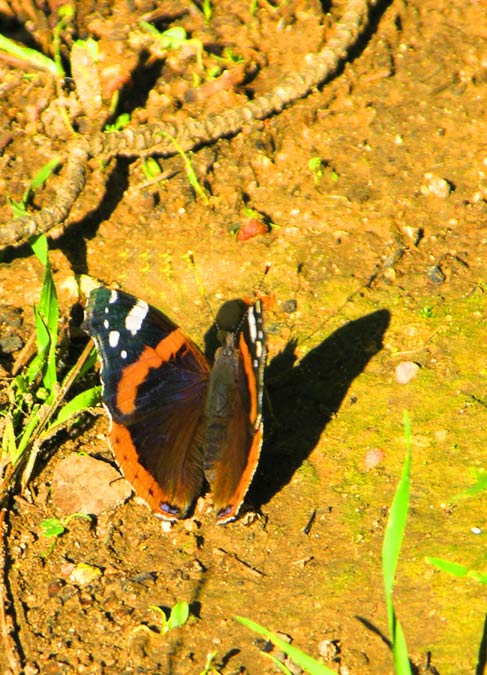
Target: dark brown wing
{"type": "Point", "coordinates": [234, 416]}
{"type": "Point", "coordinates": [155, 381]}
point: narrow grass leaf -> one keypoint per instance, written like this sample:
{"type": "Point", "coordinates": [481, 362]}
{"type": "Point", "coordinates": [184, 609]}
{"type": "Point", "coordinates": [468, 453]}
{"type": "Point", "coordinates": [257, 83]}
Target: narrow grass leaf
{"type": "Point", "coordinates": [87, 365]}
{"type": "Point", "coordinates": [36, 366]}
{"type": "Point", "coordinates": [393, 537]}
{"type": "Point", "coordinates": [395, 527]}
{"type": "Point", "coordinates": [400, 652]}
{"type": "Point", "coordinates": [190, 172]}
{"type": "Point", "coordinates": [457, 570]}
{"type": "Point", "coordinates": [48, 305]}
{"type": "Point", "coordinates": [9, 445]}
{"type": "Point", "coordinates": [281, 666]}
{"type": "Point", "coordinates": [18, 208]}
{"type": "Point", "coordinates": [303, 660]}
{"type": "Point", "coordinates": [77, 405]}
{"type": "Point", "coordinates": [151, 168]}
{"type": "Point", "coordinates": [209, 669]}
{"type": "Point", "coordinates": [44, 172]}
{"type": "Point", "coordinates": [47, 317]}
{"type": "Point", "coordinates": [27, 431]}
{"type": "Point", "coordinates": [32, 56]}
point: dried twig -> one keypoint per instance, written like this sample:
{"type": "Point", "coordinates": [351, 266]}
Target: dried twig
{"type": "Point", "coordinates": [19, 230]}
{"type": "Point", "coordinates": [7, 627]}
{"type": "Point", "coordinates": [154, 138]}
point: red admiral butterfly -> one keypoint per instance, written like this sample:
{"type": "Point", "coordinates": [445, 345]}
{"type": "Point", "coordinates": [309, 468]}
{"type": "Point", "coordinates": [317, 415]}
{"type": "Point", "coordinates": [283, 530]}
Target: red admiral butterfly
{"type": "Point", "coordinates": [174, 419]}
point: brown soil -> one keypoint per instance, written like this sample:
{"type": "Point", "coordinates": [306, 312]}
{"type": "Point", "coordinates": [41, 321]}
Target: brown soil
{"type": "Point", "coordinates": [383, 249]}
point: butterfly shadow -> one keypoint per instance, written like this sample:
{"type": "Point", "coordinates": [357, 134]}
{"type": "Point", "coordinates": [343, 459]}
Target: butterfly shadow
{"type": "Point", "coordinates": [303, 398]}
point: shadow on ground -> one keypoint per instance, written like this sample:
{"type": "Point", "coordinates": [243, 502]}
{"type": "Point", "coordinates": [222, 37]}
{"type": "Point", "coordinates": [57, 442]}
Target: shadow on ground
{"type": "Point", "coordinates": [303, 398]}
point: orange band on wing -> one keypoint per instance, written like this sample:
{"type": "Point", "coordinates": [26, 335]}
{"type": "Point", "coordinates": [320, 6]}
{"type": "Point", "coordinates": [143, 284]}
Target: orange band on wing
{"type": "Point", "coordinates": [250, 377]}
{"type": "Point", "coordinates": [134, 374]}
{"type": "Point", "coordinates": [231, 511]}
{"type": "Point", "coordinates": [144, 484]}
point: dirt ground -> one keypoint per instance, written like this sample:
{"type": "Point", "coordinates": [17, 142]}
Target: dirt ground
{"type": "Point", "coordinates": [379, 256]}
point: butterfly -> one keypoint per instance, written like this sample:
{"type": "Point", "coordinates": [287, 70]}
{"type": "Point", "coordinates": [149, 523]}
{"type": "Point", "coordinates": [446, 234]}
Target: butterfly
{"type": "Point", "coordinates": [178, 422]}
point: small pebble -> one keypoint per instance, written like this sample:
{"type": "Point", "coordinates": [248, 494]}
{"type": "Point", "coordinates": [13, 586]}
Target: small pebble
{"type": "Point", "coordinates": [10, 344]}
{"type": "Point", "coordinates": [406, 371]}
{"type": "Point", "coordinates": [441, 435]}
{"type": "Point", "coordinates": [293, 668]}
{"type": "Point", "coordinates": [166, 526]}
{"type": "Point", "coordinates": [284, 637]}
{"type": "Point", "coordinates": [372, 458]}
{"type": "Point", "coordinates": [436, 275]}
{"type": "Point", "coordinates": [329, 649]}
{"type": "Point", "coordinates": [289, 306]}
{"type": "Point", "coordinates": [84, 574]}
{"type": "Point", "coordinates": [250, 228]}
{"type": "Point", "coordinates": [436, 186]}
{"type": "Point", "coordinates": [83, 484]}
{"type": "Point", "coordinates": [54, 587]}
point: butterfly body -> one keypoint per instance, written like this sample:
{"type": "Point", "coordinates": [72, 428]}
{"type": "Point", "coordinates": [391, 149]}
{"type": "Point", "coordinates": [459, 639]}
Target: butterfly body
{"type": "Point", "coordinates": [175, 420]}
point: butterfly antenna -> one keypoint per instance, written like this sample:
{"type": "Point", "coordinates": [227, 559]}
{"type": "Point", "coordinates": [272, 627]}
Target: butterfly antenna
{"type": "Point", "coordinates": [258, 288]}
{"type": "Point", "coordinates": [257, 294]}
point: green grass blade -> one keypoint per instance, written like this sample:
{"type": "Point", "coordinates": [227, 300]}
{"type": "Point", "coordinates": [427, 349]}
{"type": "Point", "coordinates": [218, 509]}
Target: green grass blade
{"type": "Point", "coordinates": [9, 444]}
{"type": "Point", "coordinates": [457, 570]}
{"type": "Point", "coordinates": [48, 306]}
{"type": "Point", "coordinates": [27, 431]}
{"type": "Point", "coordinates": [190, 172]}
{"type": "Point", "coordinates": [400, 652]}
{"type": "Point", "coordinates": [47, 317]}
{"type": "Point", "coordinates": [19, 209]}
{"type": "Point", "coordinates": [281, 666]}
{"type": "Point", "coordinates": [88, 364]}
{"type": "Point", "coordinates": [32, 56]}
{"type": "Point", "coordinates": [38, 365]}
{"type": "Point", "coordinates": [77, 405]}
{"type": "Point", "coordinates": [66, 15]}
{"type": "Point", "coordinates": [395, 527]}
{"type": "Point", "coordinates": [44, 172]}
{"type": "Point", "coordinates": [393, 537]}
{"type": "Point", "coordinates": [303, 660]}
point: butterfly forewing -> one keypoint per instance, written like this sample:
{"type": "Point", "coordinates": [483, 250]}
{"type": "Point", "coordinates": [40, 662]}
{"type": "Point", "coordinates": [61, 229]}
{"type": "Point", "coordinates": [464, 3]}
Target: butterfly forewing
{"type": "Point", "coordinates": [154, 387]}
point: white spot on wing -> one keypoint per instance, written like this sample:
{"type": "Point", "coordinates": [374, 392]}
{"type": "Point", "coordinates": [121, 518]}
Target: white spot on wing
{"type": "Point", "coordinates": [113, 297]}
{"type": "Point", "coordinates": [113, 338]}
{"type": "Point", "coordinates": [123, 354]}
{"type": "Point", "coordinates": [252, 325]}
{"type": "Point", "coordinates": [136, 316]}
{"type": "Point", "coordinates": [106, 324]}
